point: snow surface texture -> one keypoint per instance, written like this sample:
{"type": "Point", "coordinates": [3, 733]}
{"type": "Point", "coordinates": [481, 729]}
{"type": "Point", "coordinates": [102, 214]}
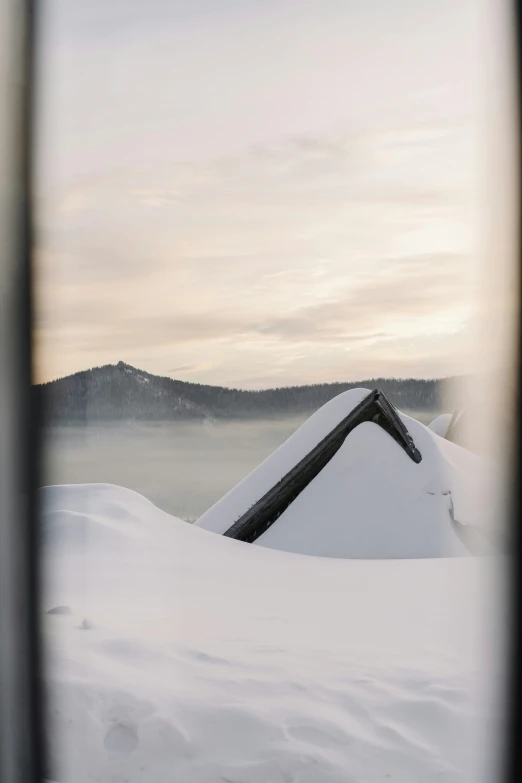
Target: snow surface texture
{"type": "Point", "coordinates": [190, 657]}
{"type": "Point", "coordinates": [441, 424]}
{"type": "Point", "coordinates": [371, 500]}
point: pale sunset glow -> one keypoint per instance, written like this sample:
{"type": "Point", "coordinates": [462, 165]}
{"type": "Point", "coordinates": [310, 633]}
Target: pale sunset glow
{"type": "Point", "coordinates": [257, 194]}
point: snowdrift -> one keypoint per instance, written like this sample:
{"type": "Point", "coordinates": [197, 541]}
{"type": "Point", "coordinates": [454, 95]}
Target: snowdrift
{"type": "Point", "coordinates": [371, 499]}
{"type": "Point", "coordinates": [175, 655]}
{"type": "Point", "coordinates": [440, 424]}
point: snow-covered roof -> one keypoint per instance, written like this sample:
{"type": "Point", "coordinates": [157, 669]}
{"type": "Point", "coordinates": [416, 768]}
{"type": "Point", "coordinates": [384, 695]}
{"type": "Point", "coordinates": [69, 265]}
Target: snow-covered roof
{"type": "Point", "coordinates": [369, 500]}
{"type": "Point", "coordinates": [440, 424]}
{"type": "Point", "coordinates": [269, 507]}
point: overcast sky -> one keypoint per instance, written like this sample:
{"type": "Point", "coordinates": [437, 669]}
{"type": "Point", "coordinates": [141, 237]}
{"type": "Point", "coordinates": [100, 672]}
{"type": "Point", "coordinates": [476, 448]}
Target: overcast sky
{"type": "Point", "coordinates": [257, 192]}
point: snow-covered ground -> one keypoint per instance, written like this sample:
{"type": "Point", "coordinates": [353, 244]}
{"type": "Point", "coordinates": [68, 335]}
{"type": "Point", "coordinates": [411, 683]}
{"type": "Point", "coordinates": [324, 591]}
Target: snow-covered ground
{"type": "Point", "coordinates": [179, 655]}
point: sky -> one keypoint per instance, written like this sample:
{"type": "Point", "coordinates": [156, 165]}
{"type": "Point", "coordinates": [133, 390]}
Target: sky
{"type": "Point", "coordinates": [257, 193]}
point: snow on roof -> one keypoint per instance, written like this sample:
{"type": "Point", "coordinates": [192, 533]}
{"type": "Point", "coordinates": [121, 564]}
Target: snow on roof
{"type": "Point", "coordinates": [252, 487]}
{"type": "Point", "coordinates": [440, 424]}
{"type": "Point", "coordinates": [370, 500]}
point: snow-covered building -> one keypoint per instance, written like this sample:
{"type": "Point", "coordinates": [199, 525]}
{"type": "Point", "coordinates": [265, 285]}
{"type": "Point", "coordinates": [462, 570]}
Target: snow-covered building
{"type": "Point", "coordinates": [360, 480]}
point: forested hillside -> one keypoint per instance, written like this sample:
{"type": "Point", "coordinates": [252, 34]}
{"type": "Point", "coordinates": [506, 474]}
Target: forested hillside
{"type": "Point", "coordinates": [121, 392]}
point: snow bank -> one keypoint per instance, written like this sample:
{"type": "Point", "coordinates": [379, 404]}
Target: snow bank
{"type": "Point", "coordinates": [370, 501]}
{"type": "Point", "coordinates": [206, 659]}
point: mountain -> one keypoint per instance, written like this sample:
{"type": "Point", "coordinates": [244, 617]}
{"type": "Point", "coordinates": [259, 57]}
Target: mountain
{"type": "Point", "coordinates": [121, 392]}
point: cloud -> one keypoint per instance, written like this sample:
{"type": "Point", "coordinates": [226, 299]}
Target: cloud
{"type": "Point", "coordinates": [259, 263]}
{"type": "Point", "coordinates": [415, 293]}
{"type": "Point", "coordinates": [185, 368]}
